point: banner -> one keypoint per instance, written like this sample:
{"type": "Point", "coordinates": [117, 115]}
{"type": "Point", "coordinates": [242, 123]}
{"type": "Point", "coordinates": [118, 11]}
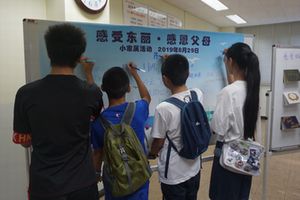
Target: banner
{"type": "Point", "coordinates": [111, 45]}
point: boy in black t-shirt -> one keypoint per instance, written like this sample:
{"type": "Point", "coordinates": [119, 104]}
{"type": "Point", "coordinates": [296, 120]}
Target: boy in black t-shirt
{"type": "Point", "coordinates": [52, 115]}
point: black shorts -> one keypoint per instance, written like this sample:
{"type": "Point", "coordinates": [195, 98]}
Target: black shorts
{"type": "Point", "coordinates": [227, 185]}
{"type": "Point", "coordinates": [183, 191]}
{"type": "Point", "coordinates": [88, 193]}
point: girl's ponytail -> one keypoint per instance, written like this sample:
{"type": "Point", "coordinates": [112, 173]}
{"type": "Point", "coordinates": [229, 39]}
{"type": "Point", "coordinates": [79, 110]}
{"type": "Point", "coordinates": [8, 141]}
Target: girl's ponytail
{"type": "Point", "coordinates": [251, 105]}
{"type": "Point", "coordinates": [247, 61]}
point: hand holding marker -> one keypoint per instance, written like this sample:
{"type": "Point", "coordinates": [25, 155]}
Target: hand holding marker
{"type": "Point", "coordinates": [87, 60]}
{"type": "Point", "coordinates": [135, 67]}
{"type": "Point", "coordinates": [88, 66]}
{"type": "Point", "coordinates": [132, 68]}
{"type": "Point", "coordinates": [84, 59]}
{"type": "Point", "coordinates": [164, 57]}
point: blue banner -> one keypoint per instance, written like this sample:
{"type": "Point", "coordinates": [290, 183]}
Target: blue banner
{"type": "Point", "coordinates": [111, 45]}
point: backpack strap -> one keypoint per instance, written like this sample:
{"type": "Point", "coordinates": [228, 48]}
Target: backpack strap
{"type": "Point", "coordinates": [129, 113]}
{"type": "Point", "coordinates": [106, 124]}
{"type": "Point", "coordinates": [170, 146]}
{"type": "Point", "coordinates": [194, 96]}
{"type": "Point", "coordinates": [176, 102]}
{"type": "Point", "coordinates": [127, 117]}
{"type": "Point", "coordinates": [179, 103]}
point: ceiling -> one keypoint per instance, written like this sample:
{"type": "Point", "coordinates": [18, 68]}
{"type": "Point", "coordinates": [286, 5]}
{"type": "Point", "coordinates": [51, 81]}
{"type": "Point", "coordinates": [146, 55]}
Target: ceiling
{"type": "Point", "coordinates": [255, 12]}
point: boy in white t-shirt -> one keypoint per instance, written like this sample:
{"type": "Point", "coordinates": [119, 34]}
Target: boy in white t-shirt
{"type": "Point", "coordinates": [180, 179]}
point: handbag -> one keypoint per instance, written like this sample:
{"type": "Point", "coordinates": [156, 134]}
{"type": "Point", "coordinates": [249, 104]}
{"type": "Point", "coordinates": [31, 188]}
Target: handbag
{"type": "Point", "coordinates": [242, 156]}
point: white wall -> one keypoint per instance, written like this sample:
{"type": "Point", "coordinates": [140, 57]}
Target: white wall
{"type": "Point", "coordinates": [193, 22]}
{"type": "Point", "coordinates": [74, 13]}
{"type": "Point", "coordinates": [227, 29]}
{"type": "Point", "coordinates": [189, 20]}
{"type": "Point", "coordinates": [13, 181]}
{"type": "Point", "coordinates": [67, 10]}
{"type": "Point", "coordinates": [266, 36]}
{"type": "Point", "coordinates": [55, 10]}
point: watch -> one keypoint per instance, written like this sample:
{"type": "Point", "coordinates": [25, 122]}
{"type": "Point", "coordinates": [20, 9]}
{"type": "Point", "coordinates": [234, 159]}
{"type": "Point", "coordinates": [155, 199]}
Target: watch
{"type": "Point", "coordinates": [92, 6]}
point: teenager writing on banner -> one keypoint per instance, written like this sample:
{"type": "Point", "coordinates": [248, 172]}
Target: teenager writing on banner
{"type": "Point", "coordinates": [235, 117]}
{"type": "Point", "coordinates": [115, 83]}
{"type": "Point", "coordinates": [179, 177]}
{"type": "Point", "coordinates": [53, 116]}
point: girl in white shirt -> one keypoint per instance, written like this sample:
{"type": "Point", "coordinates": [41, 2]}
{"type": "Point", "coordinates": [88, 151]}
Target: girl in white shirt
{"type": "Point", "coordinates": [235, 117]}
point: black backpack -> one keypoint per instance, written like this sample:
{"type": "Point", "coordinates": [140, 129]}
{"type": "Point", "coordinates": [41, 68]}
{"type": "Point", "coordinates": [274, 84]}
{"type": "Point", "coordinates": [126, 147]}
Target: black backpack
{"type": "Point", "coordinates": [195, 130]}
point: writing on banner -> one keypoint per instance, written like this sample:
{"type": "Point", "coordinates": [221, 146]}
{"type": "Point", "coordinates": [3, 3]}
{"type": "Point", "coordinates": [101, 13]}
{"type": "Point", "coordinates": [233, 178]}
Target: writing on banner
{"type": "Point", "coordinates": [131, 41]}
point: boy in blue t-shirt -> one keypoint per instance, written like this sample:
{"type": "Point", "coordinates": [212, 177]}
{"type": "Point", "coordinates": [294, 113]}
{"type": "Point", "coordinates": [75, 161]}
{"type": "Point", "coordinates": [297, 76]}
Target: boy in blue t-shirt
{"type": "Point", "coordinates": [115, 83]}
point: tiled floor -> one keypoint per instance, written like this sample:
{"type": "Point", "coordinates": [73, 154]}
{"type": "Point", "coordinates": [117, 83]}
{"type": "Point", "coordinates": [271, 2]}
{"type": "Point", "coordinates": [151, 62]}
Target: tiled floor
{"type": "Point", "coordinates": [283, 178]}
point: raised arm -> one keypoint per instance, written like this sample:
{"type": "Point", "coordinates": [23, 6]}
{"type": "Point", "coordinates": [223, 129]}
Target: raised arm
{"type": "Point", "coordinates": [88, 69]}
{"type": "Point", "coordinates": [144, 93]}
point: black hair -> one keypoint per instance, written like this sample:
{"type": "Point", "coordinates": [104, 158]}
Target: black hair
{"type": "Point", "coordinates": [247, 61]}
{"type": "Point", "coordinates": [115, 82]}
{"type": "Point", "coordinates": [65, 44]}
{"type": "Point", "coordinates": [176, 68]}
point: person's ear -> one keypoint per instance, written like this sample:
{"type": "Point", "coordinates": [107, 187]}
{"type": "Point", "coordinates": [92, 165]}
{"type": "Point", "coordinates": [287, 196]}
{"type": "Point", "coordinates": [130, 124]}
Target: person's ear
{"type": "Point", "coordinates": [229, 64]}
{"type": "Point", "coordinates": [230, 61]}
{"type": "Point", "coordinates": [166, 80]}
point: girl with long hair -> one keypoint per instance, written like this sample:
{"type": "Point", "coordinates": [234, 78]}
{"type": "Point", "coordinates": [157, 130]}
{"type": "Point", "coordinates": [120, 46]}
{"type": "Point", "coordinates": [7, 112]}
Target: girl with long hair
{"type": "Point", "coordinates": [235, 117]}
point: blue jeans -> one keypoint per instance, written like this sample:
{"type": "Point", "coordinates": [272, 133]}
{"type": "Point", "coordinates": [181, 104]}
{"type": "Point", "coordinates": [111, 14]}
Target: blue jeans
{"type": "Point", "coordinates": [183, 191]}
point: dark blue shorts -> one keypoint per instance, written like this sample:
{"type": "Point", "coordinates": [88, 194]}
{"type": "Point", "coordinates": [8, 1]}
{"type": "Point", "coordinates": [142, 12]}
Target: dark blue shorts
{"type": "Point", "coordinates": [183, 191]}
{"type": "Point", "coordinates": [227, 185]}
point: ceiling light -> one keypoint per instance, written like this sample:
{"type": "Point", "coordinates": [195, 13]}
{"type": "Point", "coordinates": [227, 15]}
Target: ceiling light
{"type": "Point", "coordinates": [215, 4]}
{"type": "Point", "coordinates": [237, 19]}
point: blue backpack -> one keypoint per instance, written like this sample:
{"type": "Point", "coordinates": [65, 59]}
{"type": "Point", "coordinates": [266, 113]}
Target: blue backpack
{"type": "Point", "coordinates": [195, 130]}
